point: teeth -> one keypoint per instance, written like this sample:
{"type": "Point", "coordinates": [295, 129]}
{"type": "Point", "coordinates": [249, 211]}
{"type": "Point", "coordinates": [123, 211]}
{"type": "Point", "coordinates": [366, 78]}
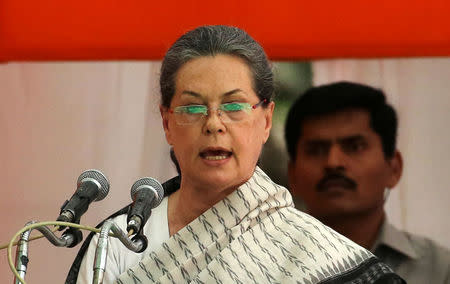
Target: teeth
{"type": "Point", "coordinates": [214, 158]}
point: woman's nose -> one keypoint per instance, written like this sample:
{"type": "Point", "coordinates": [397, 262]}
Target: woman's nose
{"type": "Point", "coordinates": [213, 122]}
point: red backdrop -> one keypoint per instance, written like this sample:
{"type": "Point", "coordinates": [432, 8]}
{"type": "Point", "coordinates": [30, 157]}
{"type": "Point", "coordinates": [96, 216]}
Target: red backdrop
{"type": "Point", "coordinates": [143, 29]}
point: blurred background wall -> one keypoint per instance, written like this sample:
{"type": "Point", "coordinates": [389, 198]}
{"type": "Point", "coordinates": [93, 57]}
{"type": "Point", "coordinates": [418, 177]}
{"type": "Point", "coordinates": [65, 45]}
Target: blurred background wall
{"type": "Point", "coordinates": [59, 119]}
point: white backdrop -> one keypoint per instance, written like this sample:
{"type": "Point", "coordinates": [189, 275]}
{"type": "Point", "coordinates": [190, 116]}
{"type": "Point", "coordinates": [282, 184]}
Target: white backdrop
{"type": "Point", "coordinates": [58, 119]}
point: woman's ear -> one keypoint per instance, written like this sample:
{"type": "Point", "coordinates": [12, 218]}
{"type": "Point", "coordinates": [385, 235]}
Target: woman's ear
{"type": "Point", "coordinates": [165, 121]}
{"type": "Point", "coordinates": [268, 120]}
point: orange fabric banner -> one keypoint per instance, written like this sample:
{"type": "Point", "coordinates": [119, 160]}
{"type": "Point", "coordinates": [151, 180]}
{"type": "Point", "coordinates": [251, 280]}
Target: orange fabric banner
{"type": "Point", "coordinates": [287, 29]}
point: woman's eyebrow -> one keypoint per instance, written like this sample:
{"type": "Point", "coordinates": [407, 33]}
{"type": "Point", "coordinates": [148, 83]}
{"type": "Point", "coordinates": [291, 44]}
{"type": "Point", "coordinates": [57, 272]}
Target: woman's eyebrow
{"type": "Point", "coordinates": [200, 96]}
{"type": "Point", "coordinates": [232, 92]}
{"type": "Point", "coordinates": [191, 93]}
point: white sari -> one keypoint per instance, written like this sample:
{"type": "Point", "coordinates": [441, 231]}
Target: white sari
{"type": "Point", "coordinates": [255, 235]}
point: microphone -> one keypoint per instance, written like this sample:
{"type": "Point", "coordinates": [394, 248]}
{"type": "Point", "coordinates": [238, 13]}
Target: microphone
{"type": "Point", "coordinates": [92, 185]}
{"type": "Point", "coordinates": [147, 193]}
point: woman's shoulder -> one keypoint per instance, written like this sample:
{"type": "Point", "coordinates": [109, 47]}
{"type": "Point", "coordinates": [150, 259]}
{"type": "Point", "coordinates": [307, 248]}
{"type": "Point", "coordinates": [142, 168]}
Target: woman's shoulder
{"type": "Point", "coordinates": [319, 237]}
{"type": "Point", "coordinates": [120, 220]}
{"type": "Point", "coordinates": [308, 249]}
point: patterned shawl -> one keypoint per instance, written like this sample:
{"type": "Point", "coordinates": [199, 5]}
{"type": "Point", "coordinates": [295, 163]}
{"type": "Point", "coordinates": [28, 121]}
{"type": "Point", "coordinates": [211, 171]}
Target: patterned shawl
{"type": "Point", "coordinates": [255, 235]}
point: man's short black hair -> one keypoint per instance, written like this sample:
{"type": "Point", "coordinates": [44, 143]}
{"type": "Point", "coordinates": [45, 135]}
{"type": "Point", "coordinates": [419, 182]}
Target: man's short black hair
{"type": "Point", "coordinates": [331, 98]}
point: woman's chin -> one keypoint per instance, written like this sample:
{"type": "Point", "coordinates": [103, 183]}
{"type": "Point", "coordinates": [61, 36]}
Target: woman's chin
{"type": "Point", "coordinates": [218, 174]}
{"type": "Point", "coordinates": [217, 179]}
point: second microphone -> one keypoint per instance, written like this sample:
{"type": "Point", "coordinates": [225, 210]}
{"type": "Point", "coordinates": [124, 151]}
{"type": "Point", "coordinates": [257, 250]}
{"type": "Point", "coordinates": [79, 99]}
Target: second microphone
{"type": "Point", "coordinates": [146, 193]}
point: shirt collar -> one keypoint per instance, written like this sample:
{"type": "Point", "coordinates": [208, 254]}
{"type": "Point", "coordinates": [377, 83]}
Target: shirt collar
{"type": "Point", "coordinates": [395, 239]}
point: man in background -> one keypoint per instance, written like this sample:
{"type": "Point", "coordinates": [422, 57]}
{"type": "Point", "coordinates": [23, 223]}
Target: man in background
{"type": "Point", "coordinates": [341, 141]}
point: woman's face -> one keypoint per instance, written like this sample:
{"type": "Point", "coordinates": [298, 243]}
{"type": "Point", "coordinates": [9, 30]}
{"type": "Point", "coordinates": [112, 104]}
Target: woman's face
{"type": "Point", "coordinates": [214, 154]}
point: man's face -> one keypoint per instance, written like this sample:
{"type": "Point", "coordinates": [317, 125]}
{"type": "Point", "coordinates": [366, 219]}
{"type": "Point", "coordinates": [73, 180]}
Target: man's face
{"type": "Point", "coordinates": [340, 168]}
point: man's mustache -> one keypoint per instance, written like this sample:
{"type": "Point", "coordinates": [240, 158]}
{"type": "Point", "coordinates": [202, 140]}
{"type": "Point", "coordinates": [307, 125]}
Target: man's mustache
{"type": "Point", "coordinates": [338, 177]}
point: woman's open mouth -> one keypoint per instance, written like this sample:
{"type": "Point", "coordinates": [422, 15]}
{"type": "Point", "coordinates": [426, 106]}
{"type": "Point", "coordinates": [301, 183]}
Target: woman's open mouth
{"type": "Point", "coordinates": [215, 154]}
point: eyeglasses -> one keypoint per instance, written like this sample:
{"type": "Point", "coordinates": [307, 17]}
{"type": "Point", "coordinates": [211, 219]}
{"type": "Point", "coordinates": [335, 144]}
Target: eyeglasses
{"type": "Point", "coordinates": [228, 113]}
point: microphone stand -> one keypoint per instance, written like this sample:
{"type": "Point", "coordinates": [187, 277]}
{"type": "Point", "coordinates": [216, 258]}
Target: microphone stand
{"type": "Point", "coordinates": [70, 238]}
{"type": "Point", "coordinates": [22, 254]}
{"type": "Point", "coordinates": [137, 244]}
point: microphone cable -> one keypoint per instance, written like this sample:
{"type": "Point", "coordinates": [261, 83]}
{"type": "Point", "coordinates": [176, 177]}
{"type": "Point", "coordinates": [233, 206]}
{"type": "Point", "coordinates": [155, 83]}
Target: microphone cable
{"type": "Point", "coordinates": [3, 246]}
{"type": "Point", "coordinates": [42, 224]}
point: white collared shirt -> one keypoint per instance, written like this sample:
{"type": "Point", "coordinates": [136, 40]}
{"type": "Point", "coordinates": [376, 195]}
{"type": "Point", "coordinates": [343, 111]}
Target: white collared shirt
{"type": "Point", "coordinates": [416, 259]}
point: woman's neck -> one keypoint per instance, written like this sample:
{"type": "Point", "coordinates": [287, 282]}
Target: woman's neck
{"type": "Point", "coordinates": [187, 203]}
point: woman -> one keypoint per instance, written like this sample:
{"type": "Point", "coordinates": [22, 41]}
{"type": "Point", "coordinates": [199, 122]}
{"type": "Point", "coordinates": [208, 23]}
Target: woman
{"type": "Point", "coordinates": [224, 220]}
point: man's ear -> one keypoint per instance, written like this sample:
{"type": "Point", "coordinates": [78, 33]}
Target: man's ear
{"type": "Point", "coordinates": [165, 121]}
{"type": "Point", "coordinates": [268, 118]}
{"type": "Point", "coordinates": [292, 177]}
{"type": "Point", "coordinates": [396, 169]}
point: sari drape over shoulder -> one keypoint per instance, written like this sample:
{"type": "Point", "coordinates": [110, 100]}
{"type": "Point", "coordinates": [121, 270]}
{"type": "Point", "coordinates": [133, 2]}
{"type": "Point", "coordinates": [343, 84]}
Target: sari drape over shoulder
{"type": "Point", "coordinates": [255, 235]}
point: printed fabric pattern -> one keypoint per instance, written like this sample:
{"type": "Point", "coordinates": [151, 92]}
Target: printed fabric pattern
{"type": "Point", "coordinates": [255, 235]}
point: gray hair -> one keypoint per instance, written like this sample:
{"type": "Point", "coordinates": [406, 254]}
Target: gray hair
{"type": "Point", "coordinates": [210, 41]}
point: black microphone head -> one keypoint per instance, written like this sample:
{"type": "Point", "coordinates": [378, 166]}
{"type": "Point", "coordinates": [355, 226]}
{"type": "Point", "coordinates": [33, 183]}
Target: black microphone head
{"type": "Point", "coordinates": [148, 183]}
{"type": "Point", "coordinates": [98, 177]}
